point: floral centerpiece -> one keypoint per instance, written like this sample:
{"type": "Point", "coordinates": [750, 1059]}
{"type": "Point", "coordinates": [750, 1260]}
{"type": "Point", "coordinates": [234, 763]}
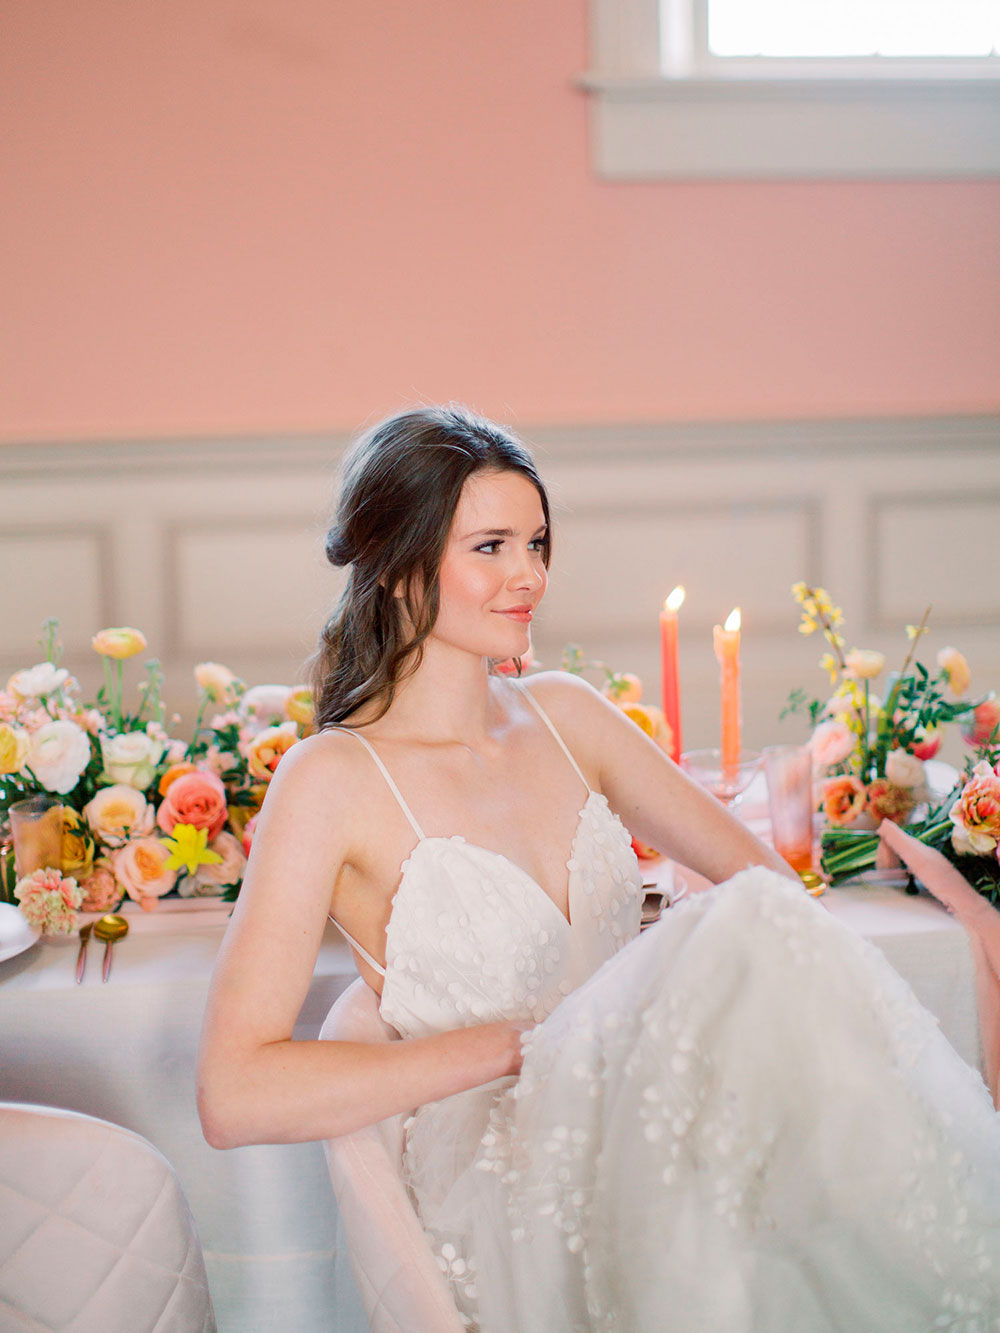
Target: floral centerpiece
{"type": "Point", "coordinates": [132, 809]}
{"type": "Point", "coordinates": [869, 750]}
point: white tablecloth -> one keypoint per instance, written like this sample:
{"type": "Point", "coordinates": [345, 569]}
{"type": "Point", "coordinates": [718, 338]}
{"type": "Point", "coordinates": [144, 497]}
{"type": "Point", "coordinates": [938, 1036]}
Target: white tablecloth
{"type": "Point", "coordinates": [125, 1051]}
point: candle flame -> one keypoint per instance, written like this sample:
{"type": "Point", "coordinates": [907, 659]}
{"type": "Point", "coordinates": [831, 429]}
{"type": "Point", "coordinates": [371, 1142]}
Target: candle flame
{"type": "Point", "coordinates": [732, 620]}
{"type": "Point", "coordinates": [676, 599]}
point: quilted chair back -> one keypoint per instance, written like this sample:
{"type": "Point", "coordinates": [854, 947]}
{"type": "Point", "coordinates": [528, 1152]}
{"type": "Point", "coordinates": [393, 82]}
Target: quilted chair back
{"type": "Point", "coordinates": [401, 1287]}
{"type": "Point", "coordinates": [96, 1236]}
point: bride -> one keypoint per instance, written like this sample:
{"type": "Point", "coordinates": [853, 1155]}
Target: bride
{"type": "Point", "coordinates": [741, 1121]}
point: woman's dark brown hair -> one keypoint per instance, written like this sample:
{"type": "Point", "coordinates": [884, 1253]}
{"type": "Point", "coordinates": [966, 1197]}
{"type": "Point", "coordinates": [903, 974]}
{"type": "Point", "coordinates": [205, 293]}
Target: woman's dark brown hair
{"type": "Point", "coordinates": [402, 481]}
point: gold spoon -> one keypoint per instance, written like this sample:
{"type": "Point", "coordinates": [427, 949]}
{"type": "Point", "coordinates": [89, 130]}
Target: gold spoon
{"type": "Point", "coordinates": [109, 928]}
{"type": "Point", "coordinates": [81, 958]}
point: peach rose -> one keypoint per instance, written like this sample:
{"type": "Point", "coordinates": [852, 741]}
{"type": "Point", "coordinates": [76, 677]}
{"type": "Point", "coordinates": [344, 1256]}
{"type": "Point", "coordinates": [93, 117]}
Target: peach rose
{"type": "Point", "coordinates": [864, 663]}
{"type": "Point", "coordinates": [198, 799]}
{"type": "Point", "coordinates": [956, 669]}
{"type": "Point", "coordinates": [264, 751]}
{"type": "Point", "coordinates": [101, 891]}
{"type": "Point", "coordinates": [979, 726]}
{"type": "Point", "coordinates": [141, 869]}
{"type": "Point", "coordinates": [830, 744]}
{"type": "Point", "coordinates": [118, 813]}
{"type": "Point", "coordinates": [976, 813]}
{"type": "Point", "coordinates": [887, 801]}
{"type": "Point", "coordinates": [217, 681]}
{"type": "Point", "coordinates": [121, 642]}
{"type": "Point", "coordinates": [844, 798]}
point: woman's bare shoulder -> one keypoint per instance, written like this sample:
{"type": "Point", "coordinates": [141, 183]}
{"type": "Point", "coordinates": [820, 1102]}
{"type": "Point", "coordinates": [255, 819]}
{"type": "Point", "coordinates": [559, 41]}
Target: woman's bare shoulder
{"type": "Point", "coordinates": [329, 772]}
{"type": "Point", "coordinates": [563, 690]}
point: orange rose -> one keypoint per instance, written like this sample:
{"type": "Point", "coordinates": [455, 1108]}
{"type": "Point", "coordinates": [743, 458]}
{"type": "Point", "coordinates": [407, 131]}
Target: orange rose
{"type": "Point", "coordinates": [140, 867]}
{"type": "Point", "coordinates": [174, 772]}
{"type": "Point", "coordinates": [198, 799]}
{"type": "Point", "coordinates": [844, 799]}
{"type": "Point", "coordinates": [886, 800]}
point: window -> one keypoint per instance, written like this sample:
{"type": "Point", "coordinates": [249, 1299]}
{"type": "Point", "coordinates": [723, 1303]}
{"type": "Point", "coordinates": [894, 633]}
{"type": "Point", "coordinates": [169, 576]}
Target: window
{"type": "Point", "coordinates": [795, 88]}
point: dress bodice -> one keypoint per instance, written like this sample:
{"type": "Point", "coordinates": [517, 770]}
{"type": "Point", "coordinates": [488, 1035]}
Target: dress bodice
{"type": "Point", "coordinates": [473, 938]}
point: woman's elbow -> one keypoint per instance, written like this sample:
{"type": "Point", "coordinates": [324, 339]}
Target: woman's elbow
{"type": "Point", "coordinates": [223, 1121]}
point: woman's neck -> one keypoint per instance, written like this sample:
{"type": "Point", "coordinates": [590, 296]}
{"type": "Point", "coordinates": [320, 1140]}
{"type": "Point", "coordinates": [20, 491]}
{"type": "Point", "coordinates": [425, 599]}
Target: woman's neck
{"type": "Point", "coordinates": [451, 697]}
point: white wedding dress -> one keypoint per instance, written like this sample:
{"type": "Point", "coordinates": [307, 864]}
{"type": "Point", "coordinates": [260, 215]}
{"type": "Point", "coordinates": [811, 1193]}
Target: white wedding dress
{"type": "Point", "coordinates": [740, 1122]}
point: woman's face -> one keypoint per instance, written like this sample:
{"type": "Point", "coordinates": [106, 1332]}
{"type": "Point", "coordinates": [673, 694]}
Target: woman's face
{"type": "Point", "coordinates": [492, 574]}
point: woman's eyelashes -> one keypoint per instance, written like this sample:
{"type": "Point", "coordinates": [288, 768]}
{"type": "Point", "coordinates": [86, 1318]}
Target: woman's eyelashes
{"type": "Point", "coordinates": [491, 548]}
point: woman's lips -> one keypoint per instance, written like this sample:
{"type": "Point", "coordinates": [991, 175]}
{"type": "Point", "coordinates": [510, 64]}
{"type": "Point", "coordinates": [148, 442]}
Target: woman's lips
{"type": "Point", "coordinates": [520, 613]}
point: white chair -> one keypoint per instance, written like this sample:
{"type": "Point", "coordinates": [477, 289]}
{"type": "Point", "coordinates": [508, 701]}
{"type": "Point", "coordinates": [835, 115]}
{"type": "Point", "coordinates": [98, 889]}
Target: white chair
{"type": "Point", "coordinates": [401, 1287]}
{"type": "Point", "coordinates": [96, 1235]}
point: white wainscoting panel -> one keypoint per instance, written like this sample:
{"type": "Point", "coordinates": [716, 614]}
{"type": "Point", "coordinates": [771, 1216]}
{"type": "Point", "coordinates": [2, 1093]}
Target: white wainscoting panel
{"type": "Point", "coordinates": [214, 549]}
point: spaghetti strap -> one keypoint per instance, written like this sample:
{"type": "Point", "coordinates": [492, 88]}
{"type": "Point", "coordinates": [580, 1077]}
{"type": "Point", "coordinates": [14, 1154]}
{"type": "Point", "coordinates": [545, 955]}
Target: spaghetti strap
{"type": "Point", "coordinates": [548, 722]}
{"type": "Point", "coordinates": [358, 947]}
{"type": "Point", "coordinates": [385, 773]}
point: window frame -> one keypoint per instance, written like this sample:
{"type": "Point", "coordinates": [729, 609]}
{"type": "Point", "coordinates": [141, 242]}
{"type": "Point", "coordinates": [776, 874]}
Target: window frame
{"type": "Point", "coordinates": [661, 110]}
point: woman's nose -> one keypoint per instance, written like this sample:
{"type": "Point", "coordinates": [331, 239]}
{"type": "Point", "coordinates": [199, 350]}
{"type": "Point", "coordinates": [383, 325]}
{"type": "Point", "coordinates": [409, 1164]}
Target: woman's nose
{"type": "Point", "coordinates": [529, 572]}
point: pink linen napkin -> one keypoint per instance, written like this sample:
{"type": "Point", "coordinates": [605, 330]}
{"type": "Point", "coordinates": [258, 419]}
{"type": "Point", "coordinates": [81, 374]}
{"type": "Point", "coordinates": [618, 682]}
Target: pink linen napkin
{"type": "Point", "coordinates": [980, 919]}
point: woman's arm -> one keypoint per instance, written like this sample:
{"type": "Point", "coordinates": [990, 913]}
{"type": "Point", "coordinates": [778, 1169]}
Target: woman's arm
{"type": "Point", "coordinates": [257, 1085]}
{"type": "Point", "coordinates": [658, 803]}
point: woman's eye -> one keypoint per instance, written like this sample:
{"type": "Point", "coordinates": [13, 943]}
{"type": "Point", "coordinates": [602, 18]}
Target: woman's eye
{"type": "Point", "coordinates": [490, 548]}
{"type": "Point", "coordinates": [538, 544]}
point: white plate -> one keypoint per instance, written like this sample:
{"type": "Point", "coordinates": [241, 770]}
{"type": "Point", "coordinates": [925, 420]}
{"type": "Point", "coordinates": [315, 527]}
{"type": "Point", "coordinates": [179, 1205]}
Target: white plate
{"type": "Point", "coordinates": [15, 933]}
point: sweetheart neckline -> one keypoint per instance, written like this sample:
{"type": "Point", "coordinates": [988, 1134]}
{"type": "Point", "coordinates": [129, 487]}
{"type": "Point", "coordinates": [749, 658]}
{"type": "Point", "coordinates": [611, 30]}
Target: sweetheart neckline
{"type": "Point", "coordinates": [458, 838]}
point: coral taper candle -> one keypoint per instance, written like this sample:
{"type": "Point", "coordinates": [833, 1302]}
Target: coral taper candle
{"type": "Point", "coordinates": [670, 671]}
{"type": "Point", "coordinates": [727, 650]}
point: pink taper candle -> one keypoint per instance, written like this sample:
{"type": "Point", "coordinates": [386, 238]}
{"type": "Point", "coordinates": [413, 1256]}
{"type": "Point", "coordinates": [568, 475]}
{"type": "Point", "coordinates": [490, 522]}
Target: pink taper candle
{"type": "Point", "coordinates": [670, 671]}
{"type": "Point", "coordinates": [727, 650]}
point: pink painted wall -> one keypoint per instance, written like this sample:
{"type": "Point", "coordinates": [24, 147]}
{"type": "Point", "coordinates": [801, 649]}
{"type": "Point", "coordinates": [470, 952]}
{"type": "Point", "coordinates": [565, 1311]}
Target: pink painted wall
{"type": "Point", "coordinates": [269, 215]}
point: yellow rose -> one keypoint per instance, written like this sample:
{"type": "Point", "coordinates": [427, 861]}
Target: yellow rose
{"type": "Point", "coordinates": [300, 706]}
{"type": "Point", "coordinates": [121, 642]}
{"type": "Point", "coordinates": [13, 747]}
{"type": "Point", "coordinates": [76, 856]}
{"type": "Point", "coordinates": [864, 663]}
{"type": "Point", "coordinates": [956, 669]}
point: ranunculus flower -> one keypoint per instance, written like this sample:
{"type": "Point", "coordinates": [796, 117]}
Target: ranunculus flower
{"type": "Point", "coordinates": [118, 813]}
{"type": "Point", "coordinates": [58, 753]}
{"type": "Point", "coordinates": [300, 706]}
{"type": "Point", "coordinates": [904, 770]}
{"type": "Point", "coordinates": [49, 900]}
{"type": "Point", "coordinates": [830, 744]}
{"type": "Point", "coordinates": [248, 832]}
{"type": "Point", "coordinates": [131, 757]}
{"type": "Point", "coordinates": [265, 750]}
{"type": "Point", "coordinates": [198, 799]}
{"type": "Point", "coordinates": [217, 681]}
{"type": "Point", "coordinates": [864, 663]}
{"type": "Point", "coordinates": [264, 706]}
{"type": "Point", "coordinates": [844, 798]}
{"type": "Point", "coordinates": [13, 747]}
{"type": "Point", "coordinates": [121, 642]}
{"type": "Point", "coordinates": [977, 812]}
{"type": "Point", "coordinates": [209, 880]}
{"type": "Point", "coordinates": [980, 724]}
{"type": "Point", "coordinates": [652, 721]}
{"type": "Point", "coordinates": [38, 681]}
{"type": "Point", "coordinates": [101, 891]}
{"type": "Point", "coordinates": [888, 801]}
{"type": "Point", "coordinates": [929, 742]}
{"type": "Point", "coordinates": [141, 869]}
{"type": "Point", "coordinates": [956, 669]}
{"type": "Point", "coordinates": [76, 856]}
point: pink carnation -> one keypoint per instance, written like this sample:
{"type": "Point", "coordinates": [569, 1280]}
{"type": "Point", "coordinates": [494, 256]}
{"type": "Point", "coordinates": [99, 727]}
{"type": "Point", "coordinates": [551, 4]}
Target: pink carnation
{"type": "Point", "coordinates": [49, 900]}
{"type": "Point", "coordinates": [101, 891]}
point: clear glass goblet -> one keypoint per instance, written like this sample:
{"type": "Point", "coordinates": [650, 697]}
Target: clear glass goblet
{"type": "Point", "coordinates": [727, 782]}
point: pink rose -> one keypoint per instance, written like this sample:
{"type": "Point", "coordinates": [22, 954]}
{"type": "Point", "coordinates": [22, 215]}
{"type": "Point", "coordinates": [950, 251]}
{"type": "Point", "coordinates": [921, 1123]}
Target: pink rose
{"type": "Point", "coordinates": [141, 868]}
{"type": "Point", "coordinates": [198, 799]}
{"type": "Point", "coordinates": [830, 744]}
{"type": "Point", "coordinates": [980, 724]}
{"type": "Point", "coordinates": [101, 891]}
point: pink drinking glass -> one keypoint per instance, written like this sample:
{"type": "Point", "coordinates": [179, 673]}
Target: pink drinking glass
{"type": "Point", "coordinates": [790, 799]}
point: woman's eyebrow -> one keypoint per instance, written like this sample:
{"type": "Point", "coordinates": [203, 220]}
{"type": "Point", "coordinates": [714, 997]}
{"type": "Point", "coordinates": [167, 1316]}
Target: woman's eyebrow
{"type": "Point", "coordinates": [499, 532]}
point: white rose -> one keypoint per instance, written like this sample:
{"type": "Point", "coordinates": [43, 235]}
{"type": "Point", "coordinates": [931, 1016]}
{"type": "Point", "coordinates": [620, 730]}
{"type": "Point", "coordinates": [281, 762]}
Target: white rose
{"type": "Point", "coordinates": [132, 758]}
{"type": "Point", "coordinates": [118, 813]}
{"type": "Point", "coordinates": [264, 706]}
{"type": "Point", "coordinates": [37, 681]}
{"type": "Point", "coordinates": [904, 769]}
{"type": "Point", "coordinates": [58, 752]}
